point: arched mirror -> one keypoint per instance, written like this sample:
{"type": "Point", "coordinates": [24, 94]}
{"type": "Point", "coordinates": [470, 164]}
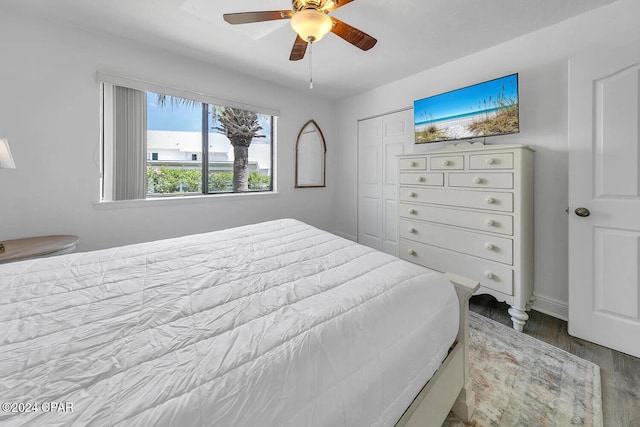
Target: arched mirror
{"type": "Point", "coordinates": [311, 151]}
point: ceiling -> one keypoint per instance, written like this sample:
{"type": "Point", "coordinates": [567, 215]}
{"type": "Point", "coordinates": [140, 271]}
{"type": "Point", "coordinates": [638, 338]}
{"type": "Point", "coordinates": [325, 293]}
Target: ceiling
{"type": "Point", "coordinates": [413, 35]}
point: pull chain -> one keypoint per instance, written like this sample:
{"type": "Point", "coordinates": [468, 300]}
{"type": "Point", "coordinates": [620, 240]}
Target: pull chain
{"type": "Point", "coordinates": [310, 66]}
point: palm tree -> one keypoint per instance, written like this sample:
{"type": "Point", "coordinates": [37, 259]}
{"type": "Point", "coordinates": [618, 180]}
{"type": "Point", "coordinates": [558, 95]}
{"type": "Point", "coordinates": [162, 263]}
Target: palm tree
{"type": "Point", "coordinates": [240, 126]}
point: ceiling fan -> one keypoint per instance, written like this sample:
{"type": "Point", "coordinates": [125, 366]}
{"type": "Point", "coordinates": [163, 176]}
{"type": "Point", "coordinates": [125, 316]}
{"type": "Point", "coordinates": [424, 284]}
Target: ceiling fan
{"type": "Point", "coordinates": [311, 21]}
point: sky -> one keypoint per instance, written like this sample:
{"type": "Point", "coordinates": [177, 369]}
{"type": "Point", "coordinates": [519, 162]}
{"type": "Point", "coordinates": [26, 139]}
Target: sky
{"type": "Point", "coordinates": [181, 118]}
{"type": "Point", "coordinates": [184, 118]}
{"type": "Point", "coordinates": [464, 100]}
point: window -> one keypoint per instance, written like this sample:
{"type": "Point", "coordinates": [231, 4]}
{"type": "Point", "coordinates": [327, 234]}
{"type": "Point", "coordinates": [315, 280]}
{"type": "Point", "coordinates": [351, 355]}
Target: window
{"type": "Point", "coordinates": [174, 130]}
{"type": "Point", "coordinates": [159, 145]}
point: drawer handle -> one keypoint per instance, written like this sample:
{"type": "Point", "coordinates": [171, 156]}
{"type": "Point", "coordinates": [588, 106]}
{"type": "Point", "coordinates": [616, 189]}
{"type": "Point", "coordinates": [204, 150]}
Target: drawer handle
{"type": "Point", "coordinates": [490, 200]}
{"type": "Point", "coordinates": [488, 275]}
{"type": "Point", "coordinates": [477, 180]}
{"type": "Point", "coordinates": [489, 246]}
{"type": "Point", "coordinates": [490, 222]}
{"type": "Point", "coordinates": [411, 194]}
{"type": "Point", "coordinates": [413, 230]}
{"type": "Point", "coordinates": [419, 179]}
{"type": "Point", "coordinates": [412, 211]}
{"type": "Point", "coordinates": [446, 163]}
{"type": "Point", "coordinates": [490, 161]}
{"type": "Point", "coordinates": [411, 252]}
{"type": "Point", "coordinates": [413, 164]}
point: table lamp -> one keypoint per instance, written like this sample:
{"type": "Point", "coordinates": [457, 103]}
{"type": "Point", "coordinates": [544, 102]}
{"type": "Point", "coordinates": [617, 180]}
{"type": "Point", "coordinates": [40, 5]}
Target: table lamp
{"type": "Point", "coordinates": [6, 162]}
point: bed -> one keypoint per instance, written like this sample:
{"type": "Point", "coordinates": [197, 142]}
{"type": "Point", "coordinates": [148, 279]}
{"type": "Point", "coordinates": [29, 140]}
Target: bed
{"type": "Point", "coordinates": [270, 324]}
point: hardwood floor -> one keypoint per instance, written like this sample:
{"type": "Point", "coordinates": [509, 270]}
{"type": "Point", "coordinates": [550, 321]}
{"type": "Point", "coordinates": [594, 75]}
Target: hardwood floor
{"type": "Point", "coordinates": [620, 373]}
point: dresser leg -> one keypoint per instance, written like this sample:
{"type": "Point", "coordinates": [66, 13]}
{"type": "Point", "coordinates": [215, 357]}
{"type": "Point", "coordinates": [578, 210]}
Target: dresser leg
{"type": "Point", "coordinates": [519, 318]}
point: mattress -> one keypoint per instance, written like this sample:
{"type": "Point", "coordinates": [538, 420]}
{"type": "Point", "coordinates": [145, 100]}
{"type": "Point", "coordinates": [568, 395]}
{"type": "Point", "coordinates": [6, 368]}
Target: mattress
{"type": "Point", "coordinates": [271, 324]}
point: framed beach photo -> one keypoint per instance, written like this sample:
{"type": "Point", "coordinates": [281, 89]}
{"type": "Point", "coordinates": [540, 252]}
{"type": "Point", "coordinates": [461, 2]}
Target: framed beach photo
{"type": "Point", "coordinates": [478, 111]}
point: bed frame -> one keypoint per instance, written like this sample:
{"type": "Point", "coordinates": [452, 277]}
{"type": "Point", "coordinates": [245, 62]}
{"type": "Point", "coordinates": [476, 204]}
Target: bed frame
{"type": "Point", "coordinates": [450, 387]}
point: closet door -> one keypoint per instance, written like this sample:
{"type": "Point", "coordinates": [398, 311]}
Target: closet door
{"type": "Point", "coordinates": [370, 182]}
{"type": "Point", "coordinates": [380, 140]}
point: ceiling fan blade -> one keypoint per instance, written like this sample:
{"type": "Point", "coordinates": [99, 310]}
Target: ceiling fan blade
{"type": "Point", "coordinates": [249, 17]}
{"type": "Point", "coordinates": [335, 4]}
{"type": "Point", "coordinates": [353, 35]}
{"type": "Point", "coordinates": [298, 50]}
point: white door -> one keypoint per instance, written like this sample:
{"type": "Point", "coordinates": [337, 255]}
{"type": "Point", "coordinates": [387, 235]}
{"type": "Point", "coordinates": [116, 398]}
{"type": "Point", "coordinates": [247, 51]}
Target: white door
{"type": "Point", "coordinates": [370, 182]}
{"type": "Point", "coordinates": [380, 140]}
{"type": "Point", "coordinates": [604, 183]}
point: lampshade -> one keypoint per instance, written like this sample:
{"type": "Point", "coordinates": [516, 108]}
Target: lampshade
{"type": "Point", "coordinates": [311, 24]}
{"type": "Point", "coordinates": [6, 160]}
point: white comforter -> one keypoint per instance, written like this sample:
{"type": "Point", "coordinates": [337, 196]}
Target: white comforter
{"type": "Point", "coordinates": [273, 324]}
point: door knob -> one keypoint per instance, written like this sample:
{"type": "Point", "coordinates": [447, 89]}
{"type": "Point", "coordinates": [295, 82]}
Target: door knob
{"type": "Point", "coordinates": [583, 212]}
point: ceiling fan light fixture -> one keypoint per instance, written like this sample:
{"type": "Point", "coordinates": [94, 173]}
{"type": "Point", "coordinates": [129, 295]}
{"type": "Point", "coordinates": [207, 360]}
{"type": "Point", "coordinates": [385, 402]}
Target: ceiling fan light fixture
{"type": "Point", "coordinates": [311, 24]}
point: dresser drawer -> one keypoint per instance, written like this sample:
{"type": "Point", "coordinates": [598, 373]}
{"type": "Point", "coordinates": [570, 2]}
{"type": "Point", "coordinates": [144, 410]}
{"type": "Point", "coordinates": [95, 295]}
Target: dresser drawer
{"type": "Point", "coordinates": [490, 275]}
{"type": "Point", "coordinates": [422, 178]}
{"type": "Point", "coordinates": [413, 163]}
{"type": "Point", "coordinates": [488, 200]}
{"type": "Point", "coordinates": [491, 161]}
{"type": "Point", "coordinates": [481, 180]}
{"type": "Point", "coordinates": [493, 248]}
{"type": "Point", "coordinates": [483, 221]}
{"type": "Point", "coordinates": [446, 162]}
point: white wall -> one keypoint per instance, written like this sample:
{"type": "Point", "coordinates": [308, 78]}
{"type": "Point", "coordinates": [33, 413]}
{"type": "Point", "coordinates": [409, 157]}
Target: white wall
{"type": "Point", "coordinates": [49, 111]}
{"type": "Point", "coordinates": [541, 59]}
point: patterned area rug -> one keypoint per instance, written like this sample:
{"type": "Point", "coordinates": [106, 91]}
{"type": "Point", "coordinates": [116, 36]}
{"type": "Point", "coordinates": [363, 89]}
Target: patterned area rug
{"type": "Point", "coordinates": [522, 381]}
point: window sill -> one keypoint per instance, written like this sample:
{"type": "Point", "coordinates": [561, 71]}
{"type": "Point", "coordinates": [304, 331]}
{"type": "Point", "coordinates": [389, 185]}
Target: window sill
{"type": "Point", "coordinates": [172, 201]}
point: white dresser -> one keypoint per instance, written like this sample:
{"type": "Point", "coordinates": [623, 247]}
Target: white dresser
{"type": "Point", "coordinates": [468, 209]}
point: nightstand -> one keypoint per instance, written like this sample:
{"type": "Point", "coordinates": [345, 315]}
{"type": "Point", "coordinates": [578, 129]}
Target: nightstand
{"type": "Point", "coordinates": [37, 247]}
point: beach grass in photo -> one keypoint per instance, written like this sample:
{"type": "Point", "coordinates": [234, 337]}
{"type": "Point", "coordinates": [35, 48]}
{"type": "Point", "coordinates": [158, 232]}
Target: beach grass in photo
{"type": "Point", "coordinates": [503, 121]}
{"type": "Point", "coordinates": [431, 132]}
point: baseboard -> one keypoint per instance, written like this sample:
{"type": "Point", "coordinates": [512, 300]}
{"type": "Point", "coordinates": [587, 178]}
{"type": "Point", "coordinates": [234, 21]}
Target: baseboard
{"type": "Point", "coordinates": [551, 306]}
{"type": "Point", "coordinates": [345, 235]}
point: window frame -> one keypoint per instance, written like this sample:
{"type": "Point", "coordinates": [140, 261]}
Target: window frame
{"type": "Point", "coordinates": [106, 136]}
